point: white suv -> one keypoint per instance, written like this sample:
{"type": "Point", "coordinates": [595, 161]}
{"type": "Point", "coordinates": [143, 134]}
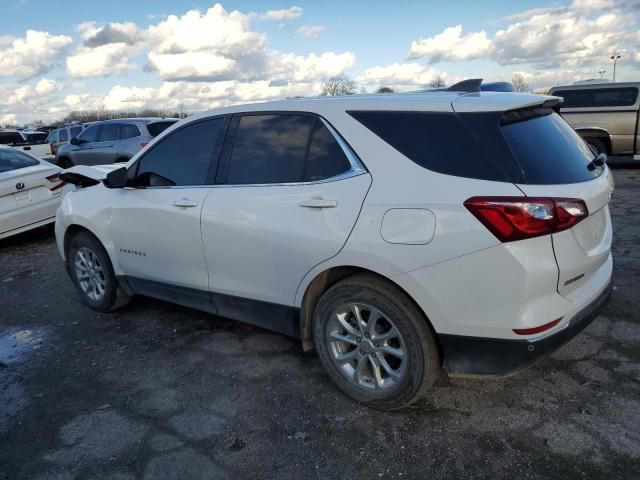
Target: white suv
{"type": "Point", "coordinates": [395, 234]}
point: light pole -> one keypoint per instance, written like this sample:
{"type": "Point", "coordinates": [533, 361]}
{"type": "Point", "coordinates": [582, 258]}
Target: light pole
{"type": "Point", "coordinates": [615, 59]}
{"type": "Point", "coordinates": [602, 72]}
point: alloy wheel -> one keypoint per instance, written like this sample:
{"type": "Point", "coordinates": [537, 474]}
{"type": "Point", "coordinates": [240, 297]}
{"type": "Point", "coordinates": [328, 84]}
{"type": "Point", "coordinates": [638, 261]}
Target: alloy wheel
{"type": "Point", "coordinates": [367, 347]}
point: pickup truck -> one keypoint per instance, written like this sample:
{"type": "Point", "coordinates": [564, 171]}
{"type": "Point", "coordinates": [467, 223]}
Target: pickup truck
{"type": "Point", "coordinates": [30, 141]}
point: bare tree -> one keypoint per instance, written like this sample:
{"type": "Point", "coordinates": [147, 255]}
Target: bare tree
{"type": "Point", "coordinates": [385, 90]}
{"type": "Point", "coordinates": [339, 85]}
{"type": "Point", "coordinates": [437, 82]}
{"type": "Point", "coordinates": [519, 83]}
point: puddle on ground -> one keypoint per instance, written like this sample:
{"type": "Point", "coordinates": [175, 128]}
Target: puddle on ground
{"type": "Point", "coordinates": [16, 346]}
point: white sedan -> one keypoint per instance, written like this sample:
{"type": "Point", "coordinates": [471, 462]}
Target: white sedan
{"type": "Point", "coordinates": [30, 191]}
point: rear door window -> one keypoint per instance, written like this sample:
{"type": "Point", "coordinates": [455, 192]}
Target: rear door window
{"type": "Point", "coordinates": [270, 148]}
{"type": "Point", "coordinates": [13, 159]}
{"type": "Point", "coordinates": [325, 158]}
{"type": "Point", "coordinates": [109, 132]}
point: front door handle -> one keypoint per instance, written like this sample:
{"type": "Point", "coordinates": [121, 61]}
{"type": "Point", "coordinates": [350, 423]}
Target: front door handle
{"type": "Point", "coordinates": [318, 203]}
{"type": "Point", "coordinates": [185, 203]}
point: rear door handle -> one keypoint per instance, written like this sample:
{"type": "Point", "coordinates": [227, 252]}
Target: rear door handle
{"type": "Point", "coordinates": [185, 203]}
{"type": "Point", "coordinates": [318, 203]}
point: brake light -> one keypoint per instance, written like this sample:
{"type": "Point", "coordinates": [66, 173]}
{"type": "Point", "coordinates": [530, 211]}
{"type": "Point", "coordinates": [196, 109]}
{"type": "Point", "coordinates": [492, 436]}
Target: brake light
{"type": "Point", "coordinates": [540, 329]}
{"type": "Point", "coordinates": [53, 149]}
{"type": "Point", "coordinates": [55, 178]}
{"type": "Point", "coordinates": [144, 144]}
{"type": "Point", "coordinates": [518, 218]}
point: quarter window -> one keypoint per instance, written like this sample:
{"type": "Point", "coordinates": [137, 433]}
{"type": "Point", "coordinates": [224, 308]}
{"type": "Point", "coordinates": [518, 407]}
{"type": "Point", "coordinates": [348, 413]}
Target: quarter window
{"type": "Point", "coordinates": [129, 130]}
{"type": "Point", "coordinates": [53, 137]}
{"type": "Point", "coordinates": [270, 149]}
{"type": "Point", "coordinates": [185, 157]}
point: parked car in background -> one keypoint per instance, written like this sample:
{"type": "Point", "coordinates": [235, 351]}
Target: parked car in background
{"type": "Point", "coordinates": [605, 115]}
{"type": "Point", "coordinates": [31, 141]}
{"type": "Point", "coordinates": [396, 234]}
{"type": "Point", "coordinates": [30, 191]}
{"type": "Point", "coordinates": [111, 141]}
{"type": "Point", "coordinates": [62, 136]}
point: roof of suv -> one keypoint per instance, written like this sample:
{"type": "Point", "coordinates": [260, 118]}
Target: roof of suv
{"type": "Point", "coordinates": [140, 120]}
{"type": "Point", "coordinates": [429, 101]}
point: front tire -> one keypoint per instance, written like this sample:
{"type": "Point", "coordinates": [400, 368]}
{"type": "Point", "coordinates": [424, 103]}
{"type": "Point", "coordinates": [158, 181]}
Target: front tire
{"type": "Point", "coordinates": [65, 162]}
{"type": "Point", "coordinates": [375, 343]}
{"type": "Point", "coordinates": [92, 273]}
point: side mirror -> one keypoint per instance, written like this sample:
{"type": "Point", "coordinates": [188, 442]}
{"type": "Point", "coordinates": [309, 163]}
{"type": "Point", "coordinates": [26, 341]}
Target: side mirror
{"type": "Point", "coordinates": [116, 178]}
{"type": "Point", "coordinates": [75, 141]}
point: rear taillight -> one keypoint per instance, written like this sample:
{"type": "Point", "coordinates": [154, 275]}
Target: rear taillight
{"type": "Point", "coordinates": [53, 150]}
{"type": "Point", "coordinates": [517, 218]}
{"type": "Point", "coordinates": [55, 178]}
{"type": "Point", "coordinates": [144, 144]}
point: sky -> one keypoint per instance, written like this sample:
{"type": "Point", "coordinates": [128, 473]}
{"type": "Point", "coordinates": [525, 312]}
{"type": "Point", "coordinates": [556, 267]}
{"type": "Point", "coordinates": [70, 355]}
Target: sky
{"type": "Point", "coordinates": [196, 55]}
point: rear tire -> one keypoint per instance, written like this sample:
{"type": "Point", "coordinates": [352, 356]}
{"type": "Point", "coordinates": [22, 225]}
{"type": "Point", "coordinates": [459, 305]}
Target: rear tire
{"type": "Point", "coordinates": [92, 273]}
{"type": "Point", "coordinates": [388, 363]}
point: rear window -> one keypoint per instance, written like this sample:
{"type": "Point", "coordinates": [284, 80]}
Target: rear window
{"type": "Point", "coordinates": [12, 160]}
{"type": "Point", "coordinates": [548, 150]}
{"type": "Point", "coordinates": [156, 128]}
{"type": "Point", "coordinates": [7, 138]}
{"type": "Point", "coordinates": [529, 146]}
{"type": "Point", "coordinates": [598, 97]}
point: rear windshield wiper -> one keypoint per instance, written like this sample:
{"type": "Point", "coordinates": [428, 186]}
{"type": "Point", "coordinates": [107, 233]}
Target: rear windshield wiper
{"type": "Point", "coordinates": [597, 162]}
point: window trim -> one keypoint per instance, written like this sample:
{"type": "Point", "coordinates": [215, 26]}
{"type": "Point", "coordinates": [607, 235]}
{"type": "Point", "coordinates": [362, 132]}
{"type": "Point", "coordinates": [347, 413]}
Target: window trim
{"type": "Point", "coordinates": [357, 167]}
{"type": "Point", "coordinates": [215, 157]}
{"type": "Point", "coordinates": [599, 108]}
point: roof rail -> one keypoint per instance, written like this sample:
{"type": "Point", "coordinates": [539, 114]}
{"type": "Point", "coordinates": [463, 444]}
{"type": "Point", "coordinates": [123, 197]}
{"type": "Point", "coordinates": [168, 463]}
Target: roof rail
{"type": "Point", "coordinates": [468, 86]}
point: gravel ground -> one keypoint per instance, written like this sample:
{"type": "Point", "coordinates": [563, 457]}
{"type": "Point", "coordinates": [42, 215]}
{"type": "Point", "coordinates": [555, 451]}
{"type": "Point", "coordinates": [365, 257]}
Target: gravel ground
{"type": "Point", "coordinates": [157, 391]}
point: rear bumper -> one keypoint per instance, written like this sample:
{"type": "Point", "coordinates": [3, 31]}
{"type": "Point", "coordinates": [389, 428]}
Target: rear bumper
{"type": "Point", "coordinates": [464, 355]}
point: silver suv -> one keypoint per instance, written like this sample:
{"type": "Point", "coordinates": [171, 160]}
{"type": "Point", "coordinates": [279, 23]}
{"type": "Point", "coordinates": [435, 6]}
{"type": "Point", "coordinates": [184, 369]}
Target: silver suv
{"type": "Point", "coordinates": [111, 141]}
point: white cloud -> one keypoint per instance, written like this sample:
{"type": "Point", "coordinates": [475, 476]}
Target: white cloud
{"type": "Point", "coordinates": [451, 45]}
{"type": "Point", "coordinates": [32, 55]}
{"type": "Point", "coordinates": [583, 34]}
{"type": "Point", "coordinates": [289, 14]}
{"type": "Point", "coordinates": [400, 75]}
{"type": "Point", "coordinates": [106, 49]}
{"type": "Point", "coordinates": [311, 31]}
{"type": "Point", "coordinates": [46, 86]}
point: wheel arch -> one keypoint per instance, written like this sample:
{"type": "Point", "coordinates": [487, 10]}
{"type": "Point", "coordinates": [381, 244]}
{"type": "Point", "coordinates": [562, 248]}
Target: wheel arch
{"type": "Point", "coordinates": [325, 280]}
{"type": "Point", "coordinates": [596, 132]}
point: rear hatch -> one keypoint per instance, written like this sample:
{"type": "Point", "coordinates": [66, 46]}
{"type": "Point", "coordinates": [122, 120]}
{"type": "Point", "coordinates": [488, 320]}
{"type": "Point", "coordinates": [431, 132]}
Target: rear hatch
{"type": "Point", "coordinates": [544, 157]}
{"type": "Point", "coordinates": [555, 162]}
